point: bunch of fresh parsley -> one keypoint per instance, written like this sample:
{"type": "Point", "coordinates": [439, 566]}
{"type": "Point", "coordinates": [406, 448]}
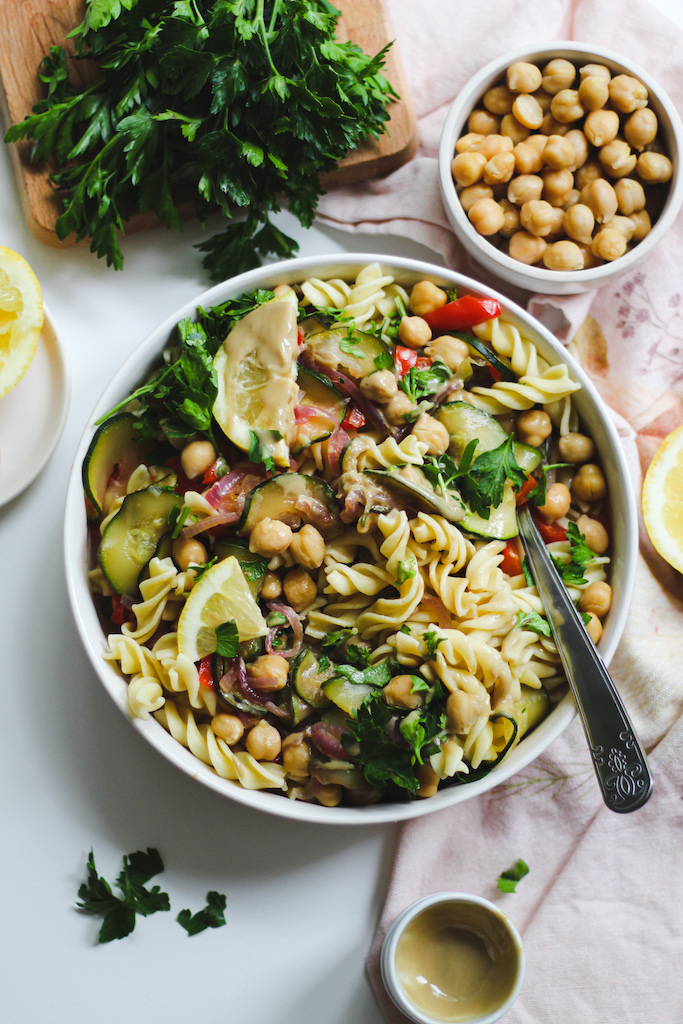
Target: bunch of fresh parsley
{"type": "Point", "coordinates": [240, 102]}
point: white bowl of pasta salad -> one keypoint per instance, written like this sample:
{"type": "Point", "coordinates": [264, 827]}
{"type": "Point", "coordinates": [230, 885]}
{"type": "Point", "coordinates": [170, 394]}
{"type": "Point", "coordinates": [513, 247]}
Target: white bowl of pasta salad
{"type": "Point", "coordinates": [291, 543]}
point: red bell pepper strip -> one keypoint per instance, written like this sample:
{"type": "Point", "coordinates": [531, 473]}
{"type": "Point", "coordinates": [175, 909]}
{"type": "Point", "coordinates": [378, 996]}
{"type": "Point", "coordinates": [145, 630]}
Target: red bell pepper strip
{"type": "Point", "coordinates": [118, 611]}
{"type": "Point", "coordinates": [550, 532]}
{"type": "Point", "coordinates": [525, 490]}
{"type": "Point", "coordinates": [206, 673]}
{"type": "Point", "coordinates": [511, 563]}
{"type": "Point", "coordinates": [354, 419]}
{"type": "Point", "coordinates": [463, 313]}
{"type": "Point", "coordinates": [407, 359]}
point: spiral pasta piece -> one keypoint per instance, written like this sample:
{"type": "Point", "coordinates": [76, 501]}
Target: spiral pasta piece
{"type": "Point", "coordinates": [434, 535]}
{"type": "Point", "coordinates": [330, 294]}
{"type": "Point", "coordinates": [144, 696]}
{"type": "Point", "coordinates": [396, 532]}
{"type": "Point", "coordinates": [361, 578]}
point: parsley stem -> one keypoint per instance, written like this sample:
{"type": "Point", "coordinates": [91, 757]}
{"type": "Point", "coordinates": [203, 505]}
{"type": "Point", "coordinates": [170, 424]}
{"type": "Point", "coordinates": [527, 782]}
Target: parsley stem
{"type": "Point", "coordinates": [260, 24]}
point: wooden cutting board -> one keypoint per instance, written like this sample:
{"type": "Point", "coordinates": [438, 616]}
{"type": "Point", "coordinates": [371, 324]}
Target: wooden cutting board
{"type": "Point", "coordinates": [29, 27]}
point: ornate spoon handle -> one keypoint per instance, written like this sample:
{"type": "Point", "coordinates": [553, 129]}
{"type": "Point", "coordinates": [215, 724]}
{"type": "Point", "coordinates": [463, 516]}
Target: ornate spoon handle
{"type": "Point", "coordinates": [618, 758]}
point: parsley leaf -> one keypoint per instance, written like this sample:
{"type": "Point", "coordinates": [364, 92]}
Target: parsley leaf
{"type": "Point", "coordinates": [538, 494]}
{"type": "Point", "coordinates": [378, 757]}
{"type": "Point", "coordinates": [358, 655]}
{"type": "Point", "coordinates": [579, 550]}
{"type": "Point", "coordinates": [405, 629]}
{"type": "Point", "coordinates": [212, 916]}
{"type": "Point", "coordinates": [526, 569]}
{"type": "Point", "coordinates": [260, 447]}
{"type": "Point", "coordinates": [228, 640]}
{"type": "Point", "coordinates": [532, 621]}
{"type": "Point", "coordinates": [419, 384]}
{"type": "Point", "coordinates": [119, 912]}
{"type": "Point", "coordinates": [406, 570]}
{"type": "Point", "coordinates": [331, 641]}
{"type": "Point", "coordinates": [384, 361]}
{"type": "Point", "coordinates": [508, 879]}
{"type": "Point", "coordinates": [419, 728]}
{"type": "Point", "coordinates": [419, 684]}
{"type": "Point", "coordinates": [201, 569]}
{"type": "Point", "coordinates": [432, 641]}
{"type": "Point", "coordinates": [484, 486]}
{"type": "Point", "coordinates": [346, 345]}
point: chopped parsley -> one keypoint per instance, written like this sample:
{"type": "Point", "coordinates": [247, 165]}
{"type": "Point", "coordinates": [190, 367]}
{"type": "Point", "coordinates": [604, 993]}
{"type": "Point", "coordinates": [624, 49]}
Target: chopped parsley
{"type": "Point", "coordinates": [120, 912]}
{"type": "Point", "coordinates": [419, 384]}
{"type": "Point", "coordinates": [261, 447]}
{"type": "Point", "coordinates": [347, 345]}
{"type": "Point", "coordinates": [532, 621]}
{"type": "Point", "coordinates": [378, 757]}
{"type": "Point", "coordinates": [538, 494]}
{"type": "Point", "coordinates": [199, 570]}
{"type": "Point", "coordinates": [332, 641]}
{"type": "Point", "coordinates": [406, 570]}
{"type": "Point", "coordinates": [526, 569]}
{"type": "Point", "coordinates": [405, 629]}
{"type": "Point", "coordinates": [580, 556]}
{"type": "Point", "coordinates": [432, 641]}
{"type": "Point", "coordinates": [508, 879]}
{"type": "Point", "coordinates": [212, 916]}
{"type": "Point", "coordinates": [228, 640]}
{"type": "Point", "coordinates": [384, 361]}
{"type": "Point", "coordinates": [482, 480]}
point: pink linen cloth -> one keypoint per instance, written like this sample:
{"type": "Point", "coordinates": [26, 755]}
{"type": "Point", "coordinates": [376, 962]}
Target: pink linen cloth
{"type": "Point", "coordinates": [601, 911]}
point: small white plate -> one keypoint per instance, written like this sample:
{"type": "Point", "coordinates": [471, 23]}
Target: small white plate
{"type": "Point", "coordinates": [33, 414]}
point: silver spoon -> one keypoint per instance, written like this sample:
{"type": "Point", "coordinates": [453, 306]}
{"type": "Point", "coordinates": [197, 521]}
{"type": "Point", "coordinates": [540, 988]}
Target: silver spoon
{"type": "Point", "coordinates": [618, 758]}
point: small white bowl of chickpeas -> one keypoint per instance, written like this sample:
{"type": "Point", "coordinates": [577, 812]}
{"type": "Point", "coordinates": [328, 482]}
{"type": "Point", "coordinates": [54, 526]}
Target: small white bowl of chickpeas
{"type": "Point", "coordinates": [559, 168]}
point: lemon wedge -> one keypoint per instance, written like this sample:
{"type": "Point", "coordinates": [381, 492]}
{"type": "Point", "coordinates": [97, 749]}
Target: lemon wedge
{"type": "Point", "coordinates": [256, 371]}
{"type": "Point", "coordinates": [662, 499]}
{"type": "Point", "coordinates": [220, 595]}
{"type": "Point", "coordinates": [21, 318]}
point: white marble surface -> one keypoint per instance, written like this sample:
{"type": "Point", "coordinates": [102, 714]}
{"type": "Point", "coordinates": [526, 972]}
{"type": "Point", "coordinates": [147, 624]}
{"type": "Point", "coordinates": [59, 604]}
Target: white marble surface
{"type": "Point", "coordinates": [302, 901]}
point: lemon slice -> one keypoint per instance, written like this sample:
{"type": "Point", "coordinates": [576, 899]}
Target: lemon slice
{"type": "Point", "coordinates": [218, 596]}
{"type": "Point", "coordinates": [256, 371]}
{"type": "Point", "coordinates": [21, 318]}
{"type": "Point", "coordinates": [662, 499]}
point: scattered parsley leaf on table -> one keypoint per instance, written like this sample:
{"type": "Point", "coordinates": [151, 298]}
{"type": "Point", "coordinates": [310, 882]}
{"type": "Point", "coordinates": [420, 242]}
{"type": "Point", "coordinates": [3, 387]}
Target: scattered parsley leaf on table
{"type": "Point", "coordinates": [119, 912]}
{"type": "Point", "coordinates": [508, 879]}
{"type": "Point", "coordinates": [212, 916]}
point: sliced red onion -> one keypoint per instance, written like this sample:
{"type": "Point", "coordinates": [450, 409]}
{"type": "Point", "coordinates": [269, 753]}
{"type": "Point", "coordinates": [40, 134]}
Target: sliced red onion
{"type": "Point", "coordinates": [314, 511]}
{"type": "Point", "coordinates": [127, 601]}
{"type": "Point", "coordinates": [304, 413]}
{"type": "Point", "coordinates": [208, 523]}
{"type": "Point", "coordinates": [436, 607]}
{"type": "Point", "coordinates": [267, 684]}
{"type": "Point", "coordinates": [297, 630]}
{"type": "Point", "coordinates": [351, 390]}
{"type": "Point", "coordinates": [218, 491]}
{"type": "Point", "coordinates": [243, 686]}
{"type": "Point", "coordinates": [335, 446]}
{"type": "Point", "coordinates": [327, 738]}
{"type": "Point", "coordinates": [235, 670]}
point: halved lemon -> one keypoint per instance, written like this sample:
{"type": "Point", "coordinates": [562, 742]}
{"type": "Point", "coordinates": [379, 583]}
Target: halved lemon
{"type": "Point", "coordinates": [256, 370]}
{"type": "Point", "coordinates": [662, 499]}
{"type": "Point", "coordinates": [220, 595]}
{"type": "Point", "coordinates": [21, 318]}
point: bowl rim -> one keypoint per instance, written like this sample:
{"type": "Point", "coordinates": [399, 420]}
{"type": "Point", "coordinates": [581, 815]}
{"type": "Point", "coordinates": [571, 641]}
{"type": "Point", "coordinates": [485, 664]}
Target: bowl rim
{"type": "Point", "coordinates": [75, 533]}
{"type": "Point", "coordinates": [533, 276]}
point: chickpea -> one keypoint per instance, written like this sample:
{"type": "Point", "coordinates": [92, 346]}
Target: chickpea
{"type": "Point", "coordinates": [537, 217]}
{"type": "Point", "coordinates": [595, 533]}
{"type": "Point", "coordinates": [462, 711]}
{"type": "Point", "coordinates": [525, 189]}
{"type": "Point", "coordinates": [596, 71]}
{"type": "Point", "coordinates": [432, 433]}
{"type": "Point", "coordinates": [623, 224]}
{"type": "Point", "coordinates": [527, 111]}
{"type": "Point", "coordinates": [498, 100]}
{"type": "Point", "coordinates": [526, 248]}
{"type": "Point", "coordinates": [263, 742]}
{"type": "Point", "coordinates": [571, 199]}
{"type": "Point", "coordinates": [640, 129]}
{"type": "Point", "coordinates": [486, 217]}
{"type": "Point", "coordinates": [549, 126]}
{"type": "Point", "coordinates": [566, 106]}
{"type": "Point", "coordinates": [271, 588]}
{"type": "Point", "coordinates": [270, 666]}
{"type": "Point", "coordinates": [579, 223]}
{"type": "Point", "coordinates": [330, 795]}
{"type": "Point", "coordinates": [543, 98]}
{"type": "Point", "coordinates": [511, 223]}
{"type": "Point", "coordinates": [399, 693]}
{"type": "Point", "coordinates": [654, 168]}
{"type": "Point", "coordinates": [630, 196]}
{"type": "Point", "coordinates": [576, 448]}
{"type": "Point", "coordinates": [559, 74]}
{"type": "Point", "coordinates": [563, 255]}
{"type": "Point", "coordinates": [589, 259]}
{"type": "Point", "coordinates": [601, 127]}
{"type": "Point", "coordinates": [528, 159]}
{"type": "Point", "coordinates": [468, 167]}
{"type": "Point", "coordinates": [379, 386]}
{"type": "Point", "coordinates": [308, 547]}
{"type": "Point", "coordinates": [617, 159]}
{"type": "Point", "coordinates": [299, 589]}
{"type": "Point", "coordinates": [588, 173]}
{"type": "Point", "coordinates": [601, 198]}
{"type": "Point", "coordinates": [538, 141]}
{"type": "Point", "coordinates": [608, 244]}
{"type": "Point", "coordinates": [557, 185]}
{"type": "Point", "coordinates": [428, 779]}
{"type": "Point", "coordinates": [186, 551]}
{"type": "Point", "coordinates": [465, 141]}
{"type": "Point", "coordinates": [556, 225]}
{"type": "Point", "coordinates": [228, 728]}
{"type": "Point", "coordinates": [415, 332]}
{"type": "Point", "coordinates": [523, 77]}
{"type": "Point", "coordinates": [594, 628]}
{"type": "Point", "coordinates": [596, 599]}
{"type": "Point", "coordinates": [557, 502]}
{"type": "Point", "coordinates": [533, 426]}
{"type": "Point", "coordinates": [589, 483]}
{"type": "Point", "coordinates": [642, 224]}
{"type": "Point", "coordinates": [511, 127]}
{"type": "Point", "coordinates": [593, 92]}
{"type": "Point", "coordinates": [499, 168]}
{"type": "Point", "coordinates": [492, 145]}
{"type": "Point", "coordinates": [482, 122]}
{"type": "Point", "coordinates": [296, 755]}
{"type": "Point", "coordinates": [426, 297]}
{"type": "Point", "coordinates": [270, 537]}
{"type": "Point", "coordinates": [398, 408]}
{"type": "Point", "coordinates": [579, 143]}
{"type": "Point", "coordinates": [627, 94]}
{"type": "Point", "coordinates": [558, 153]}
{"type": "Point", "coordinates": [450, 351]}
{"type": "Point", "coordinates": [196, 457]}
{"type": "Point", "coordinates": [470, 195]}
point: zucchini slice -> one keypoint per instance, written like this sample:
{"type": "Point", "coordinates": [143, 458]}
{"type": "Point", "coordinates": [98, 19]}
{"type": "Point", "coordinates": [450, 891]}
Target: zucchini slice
{"type": "Point", "coordinates": [133, 535]}
{"type": "Point", "coordinates": [502, 522]}
{"type": "Point", "coordinates": [532, 707]}
{"type": "Point", "coordinates": [293, 498]}
{"type": "Point", "coordinates": [307, 679]}
{"type": "Point", "coordinates": [412, 482]}
{"type": "Point", "coordinates": [326, 407]}
{"type": "Point", "coordinates": [464, 423]}
{"type": "Point", "coordinates": [299, 709]}
{"type": "Point", "coordinates": [489, 355]}
{"type": "Point", "coordinates": [354, 355]}
{"type": "Point", "coordinates": [113, 451]}
{"type": "Point", "coordinates": [253, 566]}
{"type": "Point", "coordinates": [347, 695]}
